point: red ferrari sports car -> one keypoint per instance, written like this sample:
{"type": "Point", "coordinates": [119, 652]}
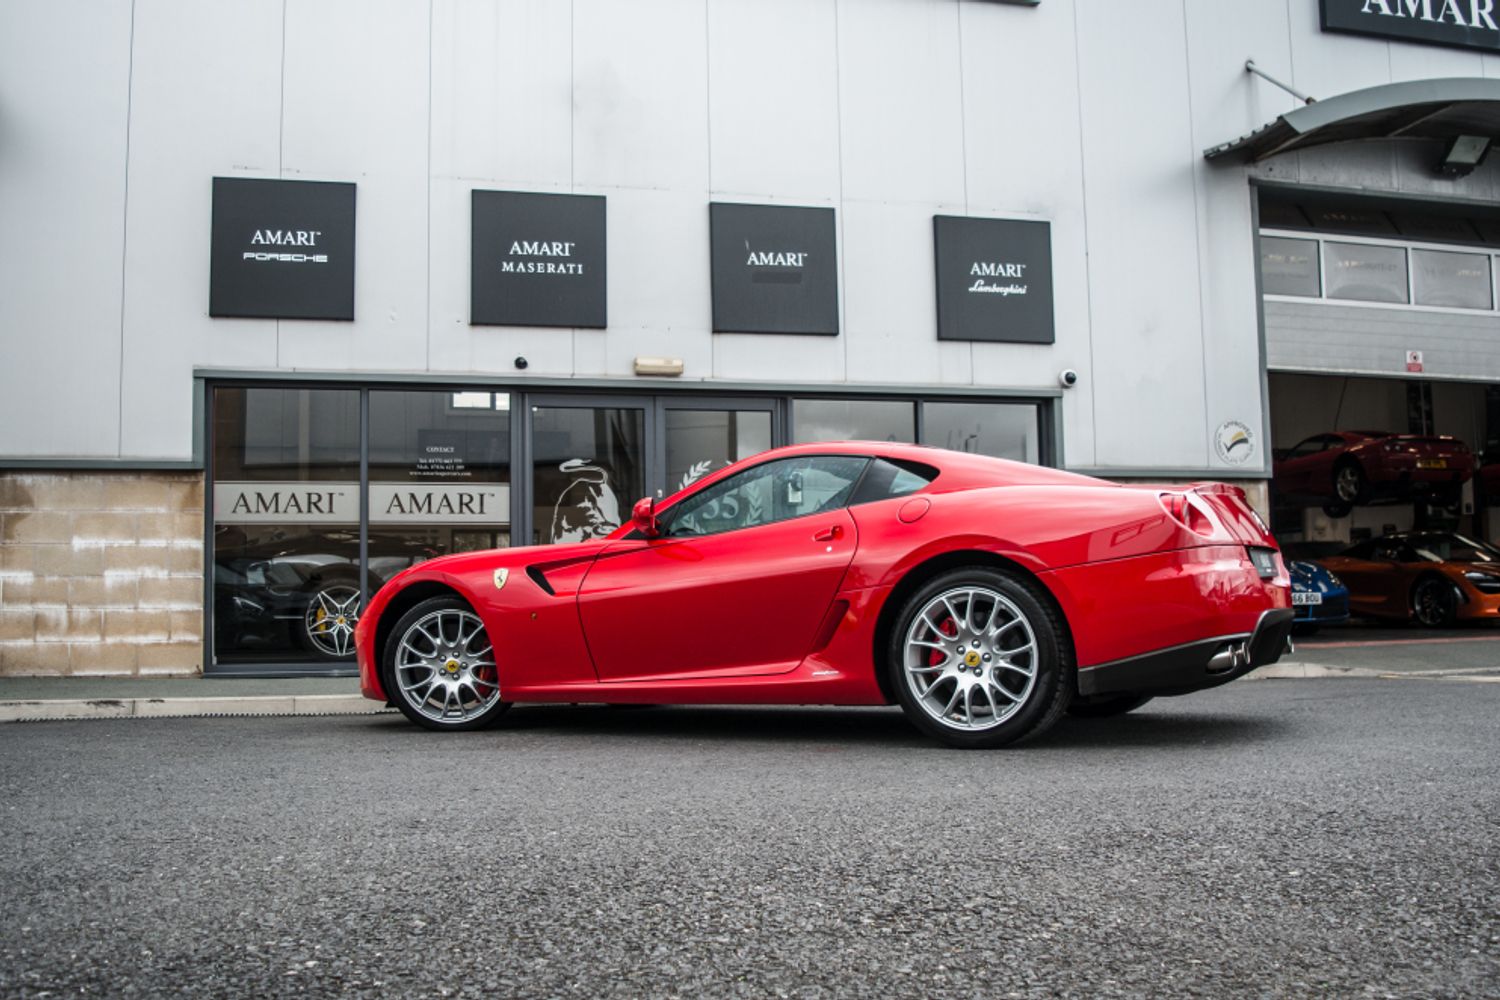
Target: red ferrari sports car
{"type": "Point", "coordinates": [1348, 468]}
{"type": "Point", "coordinates": [985, 596]}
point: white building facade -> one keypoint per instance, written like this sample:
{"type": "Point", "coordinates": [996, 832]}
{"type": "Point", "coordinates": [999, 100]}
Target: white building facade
{"type": "Point", "coordinates": [577, 252]}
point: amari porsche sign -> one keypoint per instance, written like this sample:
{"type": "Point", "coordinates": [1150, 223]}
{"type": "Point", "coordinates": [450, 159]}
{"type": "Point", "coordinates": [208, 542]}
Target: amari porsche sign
{"type": "Point", "coordinates": [1468, 24]}
{"type": "Point", "coordinates": [537, 260]}
{"type": "Point", "coordinates": [282, 249]}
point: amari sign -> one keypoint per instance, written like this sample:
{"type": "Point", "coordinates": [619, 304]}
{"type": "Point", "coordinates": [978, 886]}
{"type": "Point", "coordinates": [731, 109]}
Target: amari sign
{"type": "Point", "coordinates": [338, 503]}
{"type": "Point", "coordinates": [537, 260]}
{"type": "Point", "coordinates": [994, 280]}
{"type": "Point", "coordinates": [282, 249]}
{"type": "Point", "coordinates": [775, 269]}
{"type": "Point", "coordinates": [1468, 24]}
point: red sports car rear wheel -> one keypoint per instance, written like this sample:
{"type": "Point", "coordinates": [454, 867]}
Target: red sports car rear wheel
{"type": "Point", "coordinates": [978, 659]}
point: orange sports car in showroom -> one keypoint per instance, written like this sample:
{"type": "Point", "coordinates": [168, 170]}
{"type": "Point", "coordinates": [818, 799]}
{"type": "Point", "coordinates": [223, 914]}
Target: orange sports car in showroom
{"type": "Point", "coordinates": [1435, 577]}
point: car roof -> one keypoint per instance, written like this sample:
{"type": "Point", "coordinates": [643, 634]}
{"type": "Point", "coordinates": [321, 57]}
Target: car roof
{"type": "Point", "coordinates": [958, 469]}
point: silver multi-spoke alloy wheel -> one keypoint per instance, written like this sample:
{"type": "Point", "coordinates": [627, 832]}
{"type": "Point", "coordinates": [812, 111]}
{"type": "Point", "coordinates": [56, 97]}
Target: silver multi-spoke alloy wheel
{"type": "Point", "coordinates": [330, 619]}
{"type": "Point", "coordinates": [970, 658]}
{"type": "Point", "coordinates": [444, 667]}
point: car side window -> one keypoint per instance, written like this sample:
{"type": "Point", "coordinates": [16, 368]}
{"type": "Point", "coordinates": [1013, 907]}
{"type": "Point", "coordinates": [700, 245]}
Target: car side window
{"type": "Point", "coordinates": [887, 478]}
{"type": "Point", "coordinates": [765, 494]}
{"type": "Point", "coordinates": [1311, 446]}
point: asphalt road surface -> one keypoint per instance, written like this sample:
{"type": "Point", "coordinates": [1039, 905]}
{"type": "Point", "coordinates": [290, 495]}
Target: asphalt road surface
{"type": "Point", "coordinates": [1271, 838]}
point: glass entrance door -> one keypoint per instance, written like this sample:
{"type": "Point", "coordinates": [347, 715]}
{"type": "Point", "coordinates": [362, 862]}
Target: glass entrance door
{"type": "Point", "coordinates": [588, 462]}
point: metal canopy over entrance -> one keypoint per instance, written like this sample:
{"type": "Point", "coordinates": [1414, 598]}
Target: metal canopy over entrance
{"type": "Point", "coordinates": [1415, 109]}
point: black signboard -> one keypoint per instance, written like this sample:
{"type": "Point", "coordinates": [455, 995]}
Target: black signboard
{"type": "Point", "coordinates": [775, 269]}
{"type": "Point", "coordinates": [537, 260]}
{"type": "Point", "coordinates": [1465, 24]}
{"type": "Point", "coordinates": [994, 280]}
{"type": "Point", "coordinates": [282, 249]}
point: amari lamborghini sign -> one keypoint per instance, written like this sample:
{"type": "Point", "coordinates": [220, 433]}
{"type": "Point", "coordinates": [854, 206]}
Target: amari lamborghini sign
{"type": "Point", "coordinates": [1468, 24]}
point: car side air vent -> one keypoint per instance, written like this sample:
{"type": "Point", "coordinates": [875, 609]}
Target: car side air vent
{"type": "Point", "coordinates": [540, 580]}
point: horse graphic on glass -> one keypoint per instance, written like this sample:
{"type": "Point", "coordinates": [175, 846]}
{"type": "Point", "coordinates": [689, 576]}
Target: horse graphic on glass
{"type": "Point", "coordinates": [587, 507]}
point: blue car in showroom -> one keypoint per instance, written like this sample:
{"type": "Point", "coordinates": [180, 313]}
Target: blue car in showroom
{"type": "Point", "coordinates": [1318, 597]}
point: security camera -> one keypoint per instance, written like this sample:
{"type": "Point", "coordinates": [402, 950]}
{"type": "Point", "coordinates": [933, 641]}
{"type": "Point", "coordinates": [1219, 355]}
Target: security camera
{"type": "Point", "coordinates": [1067, 378]}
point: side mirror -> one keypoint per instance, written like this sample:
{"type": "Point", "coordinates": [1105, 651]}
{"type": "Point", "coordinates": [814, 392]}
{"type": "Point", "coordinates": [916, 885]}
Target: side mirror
{"type": "Point", "coordinates": [643, 516]}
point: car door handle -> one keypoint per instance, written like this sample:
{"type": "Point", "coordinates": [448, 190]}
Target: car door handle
{"type": "Point", "coordinates": [829, 534]}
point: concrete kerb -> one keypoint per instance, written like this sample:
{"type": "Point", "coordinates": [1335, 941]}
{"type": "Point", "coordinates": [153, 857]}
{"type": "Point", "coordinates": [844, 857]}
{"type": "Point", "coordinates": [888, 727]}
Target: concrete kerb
{"type": "Point", "coordinates": [59, 709]}
{"type": "Point", "coordinates": [143, 708]}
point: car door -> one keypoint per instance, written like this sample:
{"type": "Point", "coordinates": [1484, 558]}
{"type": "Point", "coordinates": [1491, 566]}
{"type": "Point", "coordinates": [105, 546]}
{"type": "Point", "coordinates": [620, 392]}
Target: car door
{"type": "Point", "coordinates": [1376, 580]}
{"type": "Point", "coordinates": [737, 585]}
{"type": "Point", "coordinates": [1293, 473]}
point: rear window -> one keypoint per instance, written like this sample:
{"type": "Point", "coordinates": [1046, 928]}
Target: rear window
{"type": "Point", "coordinates": [888, 478]}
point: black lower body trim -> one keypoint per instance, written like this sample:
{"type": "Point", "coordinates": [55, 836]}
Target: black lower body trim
{"type": "Point", "coordinates": [1194, 666]}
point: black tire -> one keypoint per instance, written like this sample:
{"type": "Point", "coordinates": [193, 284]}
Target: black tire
{"type": "Point", "coordinates": [1434, 602]}
{"type": "Point", "coordinates": [415, 633]}
{"type": "Point", "coordinates": [1349, 483]}
{"type": "Point", "coordinates": [1337, 510]}
{"type": "Point", "coordinates": [999, 663]}
{"type": "Point", "coordinates": [1105, 706]}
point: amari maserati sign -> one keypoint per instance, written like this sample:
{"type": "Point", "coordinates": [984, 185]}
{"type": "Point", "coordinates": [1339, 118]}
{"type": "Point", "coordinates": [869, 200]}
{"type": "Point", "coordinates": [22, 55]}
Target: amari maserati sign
{"type": "Point", "coordinates": [537, 260]}
{"type": "Point", "coordinates": [282, 249]}
{"type": "Point", "coordinates": [1469, 24]}
{"type": "Point", "coordinates": [775, 269]}
{"type": "Point", "coordinates": [994, 279]}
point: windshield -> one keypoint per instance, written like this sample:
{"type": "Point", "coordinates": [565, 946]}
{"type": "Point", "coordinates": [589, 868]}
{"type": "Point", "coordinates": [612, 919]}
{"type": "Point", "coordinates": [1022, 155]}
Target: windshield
{"type": "Point", "coordinates": [1445, 547]}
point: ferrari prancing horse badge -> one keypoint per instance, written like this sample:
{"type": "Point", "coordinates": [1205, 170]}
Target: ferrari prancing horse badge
{"type": "Point", "coordinates": [501, 575]}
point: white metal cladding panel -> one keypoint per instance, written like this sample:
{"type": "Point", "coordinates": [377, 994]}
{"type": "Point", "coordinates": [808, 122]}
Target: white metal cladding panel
{"type": "Point", "coordinates": [901, 96]}
{"type": "Point", "coordinates": [64, 92]}
{"type": "Point", "coordinates": [658, 280]}
{"type": "Point", "coordinates": [502, 94]}
{"type": "Point", "coordinates": [212, 72]}
{"type": "Point", "coordinates": [890, 283]}
{"type": "Point", "coordinates": [1336, 338]}
{"type": "Point", "coordinates": [1221, 91]}
{"type": "Point", "coordinates": [640, 99]}
{"type": "Point", "coordinates": [1022, 160]}
{"type": "Point", "coordinates": [355, 109]}
{"type": "Point", "coordinates": [773, 92]}
{"type": "Point", "coordinates": [502, 119]}
{"type": "Point", "coordinates": [1142, 231]}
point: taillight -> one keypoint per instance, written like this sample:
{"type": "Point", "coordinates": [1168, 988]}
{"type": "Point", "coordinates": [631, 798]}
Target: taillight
{"type": "Point", "coordinates": [1182, 509]}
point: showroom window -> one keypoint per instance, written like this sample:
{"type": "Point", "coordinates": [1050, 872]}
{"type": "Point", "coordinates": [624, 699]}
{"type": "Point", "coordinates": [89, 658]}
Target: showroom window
{"type": "Point", "coordinates": [1001, 430]}
{"type": "Point", "coordinates": [320, 495]}
{"type": "Point", "coordinates": [286, 524]}
{"type": "Point", "coordinates": [288, 498]}
{"type": "Point", "coordinates": [853, 420]}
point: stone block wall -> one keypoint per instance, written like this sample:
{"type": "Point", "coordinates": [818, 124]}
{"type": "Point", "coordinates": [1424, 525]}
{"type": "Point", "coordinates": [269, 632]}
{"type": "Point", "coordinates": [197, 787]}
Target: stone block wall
{"type": "Point", "coordinates": [101, 573]}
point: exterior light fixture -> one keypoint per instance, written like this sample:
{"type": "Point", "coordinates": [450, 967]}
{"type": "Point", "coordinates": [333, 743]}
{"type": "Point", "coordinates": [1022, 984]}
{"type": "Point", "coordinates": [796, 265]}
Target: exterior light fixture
{"type": "Point", "coordinates": [658, 366]}
{"type": "Point", "coordinates": [1464, 153]}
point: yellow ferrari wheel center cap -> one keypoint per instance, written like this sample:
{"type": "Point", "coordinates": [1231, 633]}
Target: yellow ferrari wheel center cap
{"type": "Point", "coordinates": [451, 666]}
{"type": "Point", "coordinates": [971, 659]}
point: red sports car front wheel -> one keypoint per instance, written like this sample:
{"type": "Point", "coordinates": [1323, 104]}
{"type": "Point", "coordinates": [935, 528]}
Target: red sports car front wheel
{"type": "Point", "coordinates": [979, 659]}
{"type": "Point", "coordinates": [440, 667]}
